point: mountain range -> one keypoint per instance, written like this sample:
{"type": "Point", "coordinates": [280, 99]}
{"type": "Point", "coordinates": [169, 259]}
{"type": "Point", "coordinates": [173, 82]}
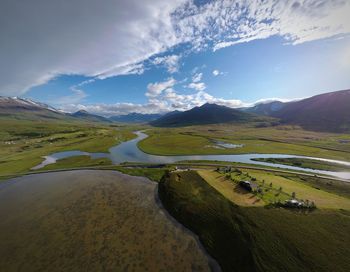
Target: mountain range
{"type": "Point", "coordinates": [328, 112]}
{"type": "Point", "coordinates": [82, 114]}
{"type": "Point", "coordinates": [323, 112]}
{"type": "Point", "coordinates": [205, 114]}
{"type": "Point", "coordinates": [135, 118]}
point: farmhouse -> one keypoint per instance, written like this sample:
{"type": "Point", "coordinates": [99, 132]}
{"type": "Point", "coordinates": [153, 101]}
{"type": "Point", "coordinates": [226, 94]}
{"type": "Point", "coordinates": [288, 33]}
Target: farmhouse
{"type": "Point", "coordinates": [246, 185]}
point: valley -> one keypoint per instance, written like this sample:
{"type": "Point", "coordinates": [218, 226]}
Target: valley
{"type": "Point", "coordinates": [196, 165]}
{"type": "Point", "coordinates": [175, 136]}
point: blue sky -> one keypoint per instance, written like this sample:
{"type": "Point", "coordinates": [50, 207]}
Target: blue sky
{"type": "Point", "coordinates": [188, 53]}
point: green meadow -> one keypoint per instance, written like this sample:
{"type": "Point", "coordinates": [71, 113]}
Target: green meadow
{"type": "Point", "coordinates": [255, 238]}
{"type": "Point", "coordinates": [279, 140]}
{"type": "Point", "coordinates": [306, 163]}
{"type": "Point", "coordinates": [24, 143]}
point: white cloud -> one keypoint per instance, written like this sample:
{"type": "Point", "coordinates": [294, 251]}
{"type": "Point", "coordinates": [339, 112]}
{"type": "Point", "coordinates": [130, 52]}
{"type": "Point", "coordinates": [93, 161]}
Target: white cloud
{"type": "Point", "coordinates": [165, 101]}
{"type": "Point", "coordinates": [77, 96]}
{"type": "Point", "coordinates": [171, 62]}
{"type": "Point", "coordinates": [269, 100]}
{"type": "Point", "coordinates": [216, 72]}
{"type": "Point", "coordinates": [197, 77]}
{"type": "Point", "coordinates": [42, 39]}
{"type": "Point", "coordinates": [229, 22]}
{"type": "Point", "coordinates": [155, 89]}
{"type": "Point", "coordinates": [199, 86]}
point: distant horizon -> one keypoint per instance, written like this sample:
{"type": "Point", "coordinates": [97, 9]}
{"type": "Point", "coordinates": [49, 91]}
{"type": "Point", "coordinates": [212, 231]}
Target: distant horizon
{"type": "Point", "coordinates": [262, 101]}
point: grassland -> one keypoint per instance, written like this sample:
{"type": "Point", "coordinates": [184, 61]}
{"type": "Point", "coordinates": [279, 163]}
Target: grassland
{"type": "Point", "coordinates": [154, 174]}
{"type": "Point", "coordinates": [280, 140]}
{"type": "Point", "coordinates": [77, 161]}
{"type": "Point", "coordinates": [256, 238]}
{"type": "Point", "coordinates": [23, 143]}
{"type": "Point", "coordinates": [275, 188]}
{"type": "Point", "coordinates": [306, 163]}
{"type": "Point", "coordinates": [230, 189]}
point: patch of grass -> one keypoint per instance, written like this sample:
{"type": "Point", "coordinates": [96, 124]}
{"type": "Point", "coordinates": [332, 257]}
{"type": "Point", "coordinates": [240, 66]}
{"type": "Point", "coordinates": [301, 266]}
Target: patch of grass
{"type": "Point", "coordinates": [154, 174]}
{"type": "Point", "coordinates": [230, 190]}
{"type": "Point", "coordinates": [279, 140]}
{"type": "Point", "coordinates": [306, 163]}
{"type": "Point", "coordinates": [302, 191]}
{"type": "Point", "coordinates": [77, 161]}
{"type": "Point", "coordinates": [254, 238]}
{"type": "Point", "coordinates": [23, 143]}
{"type": "Point", "coordinates": [274, 188]}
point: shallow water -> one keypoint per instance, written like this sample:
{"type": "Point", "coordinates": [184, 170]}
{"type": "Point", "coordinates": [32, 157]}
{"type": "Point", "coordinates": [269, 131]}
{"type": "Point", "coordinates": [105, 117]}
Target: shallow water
{"type": "Point", "coordinates": [91, 220]}
{"type": "Point", "coordinates": [129, 152]}
{"type": "Point", "coordinates": [228, 145]}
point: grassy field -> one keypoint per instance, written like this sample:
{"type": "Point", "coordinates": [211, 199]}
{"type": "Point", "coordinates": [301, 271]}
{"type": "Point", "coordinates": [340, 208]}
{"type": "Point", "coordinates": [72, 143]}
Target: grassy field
{"type": "Point", "coordinates": [257, 238]}
{"type": "Point", "coordinates": [23, 143]}
{"type": "Point", "coordinates": [231, 190]}
{"type": "Point", "coordinates": [274, 188]}
{"type": "Point", "coordinates": [75, 162]}
{"type": "Point", "coordinates": [154, 174]}
{"type": "Point", "coordinates": [280, 139]}
{"type": "Point", "coordinates": [307, 163]}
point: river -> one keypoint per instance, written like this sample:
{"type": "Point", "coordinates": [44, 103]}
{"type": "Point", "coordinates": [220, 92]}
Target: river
{"type": "Point", "coordinates": [129, 152]}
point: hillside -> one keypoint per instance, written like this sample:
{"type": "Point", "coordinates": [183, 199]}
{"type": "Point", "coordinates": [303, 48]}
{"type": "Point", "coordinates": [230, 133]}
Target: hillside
{"type": "Point", "coordinates": [205, 114]}
{"type": "Point", "coordinates": [82, 114]}
{"type": "Point", "coordinates": [135, 118]}
{"type": "Point", "coordinates": [16, 108]}
{"type": "Point", "coordinates": [267, 109]}
{"type": "Point", "coordinates": [239, 239]}
{"type": "Point", "coordinates": [26, 109]}
{"type": "Point", "coordinates": [324, 112]}
{"type": "Point", "coordinates": [329, 112]}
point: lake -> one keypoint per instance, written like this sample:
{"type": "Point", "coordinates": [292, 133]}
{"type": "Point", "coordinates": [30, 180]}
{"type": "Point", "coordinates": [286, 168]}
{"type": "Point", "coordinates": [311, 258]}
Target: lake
{"type": "Point", "coordinates": [92, 220]}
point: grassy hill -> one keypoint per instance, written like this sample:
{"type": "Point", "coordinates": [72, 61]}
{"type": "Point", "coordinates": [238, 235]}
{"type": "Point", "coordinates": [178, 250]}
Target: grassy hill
{"type": "Point", "coordinates": [257, 238]}
{"type": "Point", "coordinates": [206, 114]}
{"type": "Point", "coordinates": [84, 115]}
{"type": "Point", "coordinates": [135, 118]}
{"type": "Point", "coordinates": [325, 112]}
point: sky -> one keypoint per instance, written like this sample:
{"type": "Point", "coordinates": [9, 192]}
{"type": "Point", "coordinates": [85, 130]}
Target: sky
{"type": "Point", "coordinates": [115, 57]}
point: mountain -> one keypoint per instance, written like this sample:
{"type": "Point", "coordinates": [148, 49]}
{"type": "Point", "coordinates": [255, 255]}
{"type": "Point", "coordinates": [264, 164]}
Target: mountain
{"type": "Point", "coordinates": [328, 112]}
{"type": "Point", "coordinates": [267, 109]}
{"type": "Point", "coordinates": [325, 112]}
{"type": "Point", "coordinates": [135, 118]}
{"type": "Point", "coordinates": [26, 109]}
{"type": "Point", "coordinates": [84, 115]}
{"type": "Point", "coordinates": [206, 114]}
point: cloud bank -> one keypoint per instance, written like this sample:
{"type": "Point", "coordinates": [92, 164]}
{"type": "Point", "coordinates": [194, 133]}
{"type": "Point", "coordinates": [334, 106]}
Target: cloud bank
{"type": "Point", "coordinates": [42, 39]}
{"type": "Point", "coordinates": [163, 98]}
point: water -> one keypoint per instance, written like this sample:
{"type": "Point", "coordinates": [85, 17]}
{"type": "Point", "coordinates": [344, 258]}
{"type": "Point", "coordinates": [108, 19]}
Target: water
{"type": "Point", "coordinates": [129, 152]}
{"type": "Point", "coordinates": [228, 145]}
{"type": "Point", "coordinates": [91, 220]}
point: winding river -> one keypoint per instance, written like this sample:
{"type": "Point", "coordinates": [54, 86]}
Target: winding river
{"type": "Point", "coordinates": [129, 152]}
